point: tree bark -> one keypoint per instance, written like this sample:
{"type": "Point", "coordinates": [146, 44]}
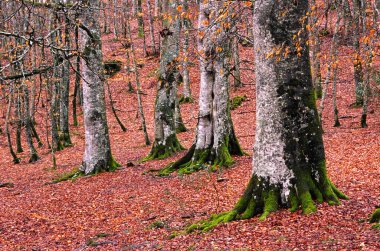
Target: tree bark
{"type": "Point", "coordinates": [97, 156]}
{"type": "Point", "coordinates": [215, 139]}
{"type": "Point", "coordinates": [166, 142]}
{"type": "Point", "coordinates": [289, 168]}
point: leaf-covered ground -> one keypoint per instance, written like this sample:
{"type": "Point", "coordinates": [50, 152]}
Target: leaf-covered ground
{"type": "Point", "coordinates": [126, 210]}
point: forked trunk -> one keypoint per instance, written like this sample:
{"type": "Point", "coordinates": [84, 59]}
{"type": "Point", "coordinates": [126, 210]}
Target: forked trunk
{"type": "Point", "coordinates": [215, 140]}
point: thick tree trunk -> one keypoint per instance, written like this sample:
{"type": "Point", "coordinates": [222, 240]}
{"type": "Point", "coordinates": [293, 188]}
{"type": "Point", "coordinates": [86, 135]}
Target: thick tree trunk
{"type": "Point", "coordinates": [215, 139]}
{"type": "Point", "coordinates": [97, 156]}
{"type": "Point", "coordinates": [166, 142]}
{"type": "Point", "coordinates": [289, 167]}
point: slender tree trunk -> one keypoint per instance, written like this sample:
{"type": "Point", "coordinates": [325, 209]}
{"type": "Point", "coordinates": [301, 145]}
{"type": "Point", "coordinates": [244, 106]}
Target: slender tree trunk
{"type": "Point", "coordinates": [19, 121]}
{"type": "Point", "coordinates": [332, 64]}
{"type": "Point", "coordinates": [236, 59]}
{"type": "Point", "coordinates": [28, 129]}
{"type": "Point", "coordinates": [289, 168]}
{"type": "Point", "coordinates": [97, 156]}
{"type": "Point", "coordinates": [151, 28]}
{"type": "Point", "coordinates": [77, 78]}
{"type": "Point", "coordinates": [138, 86]}
{"type": "Point", "coordinates": [358, 69]}
{"type": "Point", "coordinates": [64, 94]}
{"type": "Point", "coordinates": [115, 20]}
{"type": "Point", "coordinates": [315, 49]}
{"type": "Point", "coordinates": [16, 160]}
{"type": "Point", "coordinates": [186, 24]}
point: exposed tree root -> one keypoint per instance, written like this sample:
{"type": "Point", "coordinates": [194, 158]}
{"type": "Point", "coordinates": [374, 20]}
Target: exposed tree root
{"type": "Point", "coordinates": [200, 159]}
{"type": "Point", "coordinates": [76, 173]}
{"type": "Point", "coordinates": [260, 198]}
{"type": "Point", "coordinates": [162, 151]}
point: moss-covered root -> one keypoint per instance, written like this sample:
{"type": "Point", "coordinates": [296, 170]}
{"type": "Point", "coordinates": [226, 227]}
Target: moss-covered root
{"type": "Point", "coordinates": [260, 198]}
{"type": "Point", "coordinates": [199, 159]}
{"type": "Point", "coordinates": [72, 175]}
{"type": "Point", "coordinates": [375, 218]}
{"type": "Point", "coordinates": [161, 151]}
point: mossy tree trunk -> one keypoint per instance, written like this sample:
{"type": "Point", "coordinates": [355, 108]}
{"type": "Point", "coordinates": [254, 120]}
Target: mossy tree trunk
{"type": "Point", "coordinates": [289, 168]}
{"type": "Point", "coordinates": [97, 156]}
{"type": "Point", "coordinates": [166, 142]}
{"type": "Point", "coordinates": [375, 218]}
{"type": "Point", "coordinates": [215, 140]}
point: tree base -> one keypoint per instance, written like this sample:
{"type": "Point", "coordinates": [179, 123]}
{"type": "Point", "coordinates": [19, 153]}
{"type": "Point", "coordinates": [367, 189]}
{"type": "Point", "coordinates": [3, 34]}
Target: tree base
{"type": "Point", "coordinates": [65, 140]}
{"type": "Point", "coordinates": [375, 218]}
{"type": "Point", "coordinates": [77, 173]}
{"type": "Point", "coordinates": [260, 198]}
{"type": "Point", "coordinates": [160, 151]}
{"type": "Point", "coordinates": [34, 157]}
{"type": "Point", "coordinates": [199, 159]}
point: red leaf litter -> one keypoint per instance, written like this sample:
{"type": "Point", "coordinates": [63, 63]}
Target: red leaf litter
{"type": "Point", "coordinates": [126, 210]}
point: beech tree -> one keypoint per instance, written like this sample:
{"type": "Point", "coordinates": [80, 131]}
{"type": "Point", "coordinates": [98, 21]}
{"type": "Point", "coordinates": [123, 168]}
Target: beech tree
{"type": "Point", "coordinates": [97, 156]}
{"type": "Point", "coordinates": [166, 142]}
{"type": "Point", "coordinates": [215, 139]}
{"type": "Point", "coordinates": [289, 166]}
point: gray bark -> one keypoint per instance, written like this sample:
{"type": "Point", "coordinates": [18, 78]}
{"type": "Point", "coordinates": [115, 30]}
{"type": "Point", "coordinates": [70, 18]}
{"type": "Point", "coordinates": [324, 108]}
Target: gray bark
{"type": "Point", "coordinates": [97, 156]}
{"type": "Point", "coordinates": [64, 95]}
{"type": "Point", "coordinates": [166, 142]}
{"type": "Point", "coordinates": [215, 139]}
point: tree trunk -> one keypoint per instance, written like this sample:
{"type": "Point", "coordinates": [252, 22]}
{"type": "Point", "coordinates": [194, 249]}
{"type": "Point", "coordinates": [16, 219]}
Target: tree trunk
{"type": "Point", "coordinates": [358, 68]}
{"type": "Point", "coordinates": [97, 156]}
{"type": "Point", "coordinates": [16, 160]}
{"type": "Point", "coordinates": [289, 168]}
{"type": "Point", "coordinates": [215, 140]}
{"type": "Point", "coordinates": [28, 126]}
{"type": "Point", "coordinates": [186, 24]}
{"type": "Point", "coordinates": [137, 79]}
{"type": "Point", "coordinates": [166, 142]}
{"type": "Point", "coordinates": [315, 49]}
{"type": "Point", "coordinates": [64, 95]}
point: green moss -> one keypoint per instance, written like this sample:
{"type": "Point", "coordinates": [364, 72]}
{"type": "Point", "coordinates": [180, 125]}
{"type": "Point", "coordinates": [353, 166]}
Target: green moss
{"type": "Point", "coordinates": [375, 217]}
{"type": "Point", "coordinates": [72, 175]}
{"type": "Point", "coordinates": [180, 127]}
{"type": "Point", "coordinates": [213, 221]}
{"type": "Point", "coordinates": [293, 200]}
{"type": "Point", "coordinates": [200, 160]}
{"type": "Point", "coordinates": [160, 151]}
{"type": "Point", "coordinates": [270, 202]}
{"type": "Point", "coordinates": [184, 99]}
{"type": "Point", "coordinates": [237, 101]}
{"type": "Point", "coordinates": [113, 164]}
{"type": "Point", "coordinates": [157, 224]}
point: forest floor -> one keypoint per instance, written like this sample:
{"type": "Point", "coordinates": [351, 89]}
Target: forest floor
{"type": "Point", "coordinates": [126, 210]}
